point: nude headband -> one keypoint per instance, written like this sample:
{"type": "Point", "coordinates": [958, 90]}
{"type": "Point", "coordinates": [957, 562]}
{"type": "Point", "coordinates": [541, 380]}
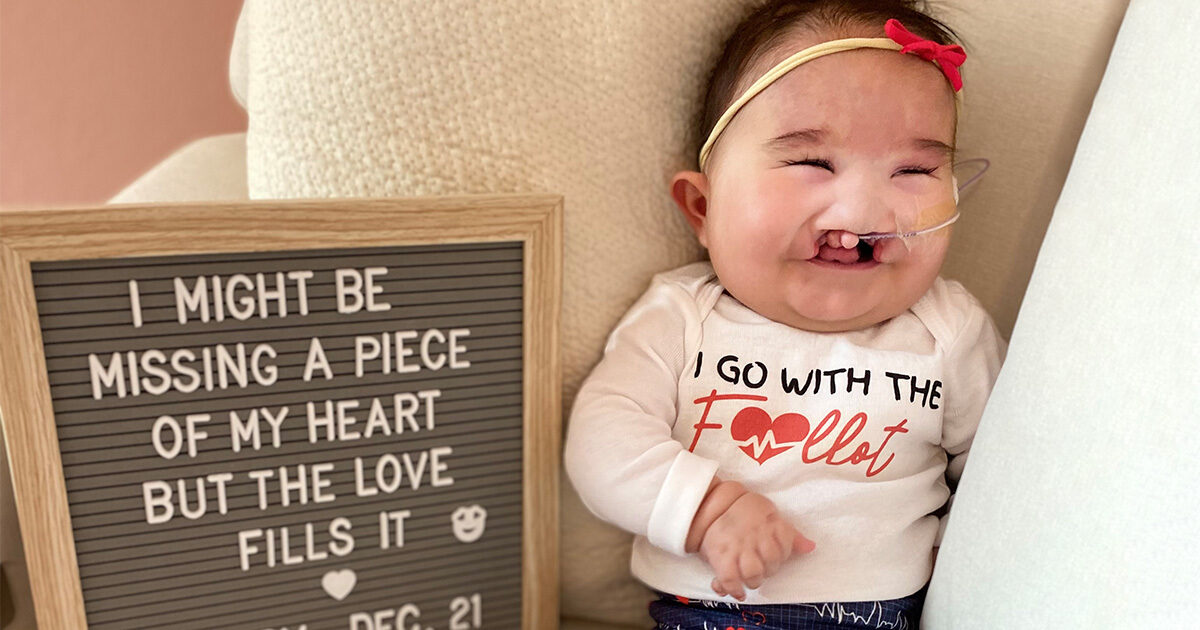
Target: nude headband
{"type": "Point", "coordinates": [947, 58]}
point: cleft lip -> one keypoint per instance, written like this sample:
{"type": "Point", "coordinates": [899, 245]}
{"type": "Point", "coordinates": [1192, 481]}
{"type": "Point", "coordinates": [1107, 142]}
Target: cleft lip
{"type": "Point", "coordinates": [844, 239]}
{"type": "Point", "coordinates": [842, 247]}
{"type": "Point", "coordinates": [870, 251]}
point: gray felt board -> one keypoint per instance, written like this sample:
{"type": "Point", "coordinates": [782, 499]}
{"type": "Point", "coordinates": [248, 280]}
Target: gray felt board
{"type": "Point", "coordinates": [445, 447]}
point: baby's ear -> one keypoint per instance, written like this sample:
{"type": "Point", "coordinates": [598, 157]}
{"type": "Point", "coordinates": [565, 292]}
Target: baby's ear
{"type": "Point", "coordinates": [689, 189]}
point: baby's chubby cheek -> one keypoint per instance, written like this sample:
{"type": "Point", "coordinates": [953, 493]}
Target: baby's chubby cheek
{"type": "Point", "coordinates": [927, 252]}
{"type": "Point", "coordinates": [934, 212]}
{"type": "Point", "coordinates": [752, 239]}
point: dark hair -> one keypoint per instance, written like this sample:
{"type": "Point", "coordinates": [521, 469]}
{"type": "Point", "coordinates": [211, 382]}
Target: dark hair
{"type": "Point", "coordinates": [770, 23]}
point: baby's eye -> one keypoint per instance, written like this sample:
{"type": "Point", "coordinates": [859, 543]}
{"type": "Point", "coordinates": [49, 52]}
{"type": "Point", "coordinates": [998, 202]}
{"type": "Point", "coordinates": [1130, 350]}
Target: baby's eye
{"type": "Point", "coordinates": [916, 170]}
{"type": "Point", "coordinates": [819, 163]}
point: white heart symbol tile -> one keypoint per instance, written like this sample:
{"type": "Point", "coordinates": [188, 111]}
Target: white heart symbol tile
{"type": "Point", "coordinates": [339, 583]}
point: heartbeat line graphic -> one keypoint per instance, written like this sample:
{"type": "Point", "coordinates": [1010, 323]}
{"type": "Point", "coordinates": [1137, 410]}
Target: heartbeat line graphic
{"type": "Point", "coordinates": [763, 447]}
{"type": "Point", "coordinates": [839, 612]}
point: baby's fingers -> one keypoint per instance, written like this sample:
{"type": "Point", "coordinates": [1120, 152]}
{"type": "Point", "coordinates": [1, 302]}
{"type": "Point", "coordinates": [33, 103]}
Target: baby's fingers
{"type": "Point", "coordinates": [727, 581]}
{"type": "Point", "coordinates": [720, 588]}
{"type": "Point", "coordinates": [773, 553]}
{"type": "Point", "coordinates": [793, 541]}
{"type": "Point", "coordinates": [802, 544]}
{"type": "Point", "coordinates": [752, 569]}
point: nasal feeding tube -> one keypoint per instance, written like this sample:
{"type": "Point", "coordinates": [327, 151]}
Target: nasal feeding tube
{"type": "Point", "coordinates": [872, 237]}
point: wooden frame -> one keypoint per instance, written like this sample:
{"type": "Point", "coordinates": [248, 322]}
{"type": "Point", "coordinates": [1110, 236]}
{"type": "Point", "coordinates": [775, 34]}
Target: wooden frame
{"type": "Point", "coordinates": [156, 230]}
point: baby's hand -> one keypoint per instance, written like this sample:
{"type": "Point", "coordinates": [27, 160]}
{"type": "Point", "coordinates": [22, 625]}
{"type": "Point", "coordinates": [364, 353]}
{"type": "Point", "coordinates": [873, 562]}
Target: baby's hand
{"type": "Point", "coordinates": [748, 543]}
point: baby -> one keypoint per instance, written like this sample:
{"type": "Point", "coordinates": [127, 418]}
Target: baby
{"type": "Point", "coordinates": [778, 426]}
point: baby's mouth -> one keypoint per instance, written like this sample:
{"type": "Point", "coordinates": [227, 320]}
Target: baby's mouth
{"type": "Point", "coordinates": [862, 252]}
{"type": "Point", "coordinates": [845, 248]}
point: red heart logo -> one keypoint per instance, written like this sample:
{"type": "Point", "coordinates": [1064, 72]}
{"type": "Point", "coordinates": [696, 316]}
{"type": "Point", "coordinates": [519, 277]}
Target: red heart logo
{"type": "Point", "coordinates": [754, 424]}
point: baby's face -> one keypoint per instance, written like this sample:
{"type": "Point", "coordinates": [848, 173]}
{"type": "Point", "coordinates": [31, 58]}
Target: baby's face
{"type": "Point", "coordinates": [872, 122]}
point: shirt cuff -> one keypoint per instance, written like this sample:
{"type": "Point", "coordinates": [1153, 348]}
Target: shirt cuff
{"type": "Point", "coordinates": [682, 492]}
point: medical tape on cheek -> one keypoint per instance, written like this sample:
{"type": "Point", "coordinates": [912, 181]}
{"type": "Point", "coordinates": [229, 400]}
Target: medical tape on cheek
{"type": "Point", "coordinates": [917, 222]}
{"type": "Point", "coordinates": [925, 213]}
{"type": "Point", "coordinates": [911, 222]}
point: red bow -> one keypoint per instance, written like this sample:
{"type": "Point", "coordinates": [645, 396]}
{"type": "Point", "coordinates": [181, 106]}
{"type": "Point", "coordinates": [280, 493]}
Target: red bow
{"type": "Point", "coordinates": [949, 58]}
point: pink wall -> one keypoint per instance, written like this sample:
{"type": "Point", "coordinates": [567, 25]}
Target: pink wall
{"type": "Point", "coordinates": [92, 94]}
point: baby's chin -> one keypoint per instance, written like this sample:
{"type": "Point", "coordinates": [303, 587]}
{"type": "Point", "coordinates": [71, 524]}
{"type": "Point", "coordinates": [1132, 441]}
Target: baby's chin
{"type": "Point", "coordinates": [824, 301]}
{"type": "Point", "coordinates": [829, 314]}
{"type": "Point", "coordinates": [834, 320]}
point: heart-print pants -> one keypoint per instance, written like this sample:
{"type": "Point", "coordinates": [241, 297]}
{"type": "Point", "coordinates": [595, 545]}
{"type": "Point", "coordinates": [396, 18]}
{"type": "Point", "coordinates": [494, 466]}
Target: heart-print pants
{"type": "Point", "coordinates": [677, 613]}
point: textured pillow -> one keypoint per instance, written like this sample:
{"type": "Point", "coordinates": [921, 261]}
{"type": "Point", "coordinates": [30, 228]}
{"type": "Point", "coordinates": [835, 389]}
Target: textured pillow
{"type": "Point", "coordinates": [595, 101]}
{"type": "Point", "coordinates": [591, 100]}
{"type": "Point", "coordinates": [1079, 506]}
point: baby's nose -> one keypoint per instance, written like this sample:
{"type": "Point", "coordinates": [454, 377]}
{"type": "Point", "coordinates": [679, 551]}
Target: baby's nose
{"type": "Point", "coordinates": [841, 238]}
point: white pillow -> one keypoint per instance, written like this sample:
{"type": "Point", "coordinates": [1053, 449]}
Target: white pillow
{"type": "Point", "coordinates": [1079, 506]}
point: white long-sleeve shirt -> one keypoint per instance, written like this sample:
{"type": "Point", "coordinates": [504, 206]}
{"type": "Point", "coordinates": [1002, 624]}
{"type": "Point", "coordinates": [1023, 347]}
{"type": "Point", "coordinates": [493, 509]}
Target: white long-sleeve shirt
{"type": "Point", "coordinates": [847, 433]}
